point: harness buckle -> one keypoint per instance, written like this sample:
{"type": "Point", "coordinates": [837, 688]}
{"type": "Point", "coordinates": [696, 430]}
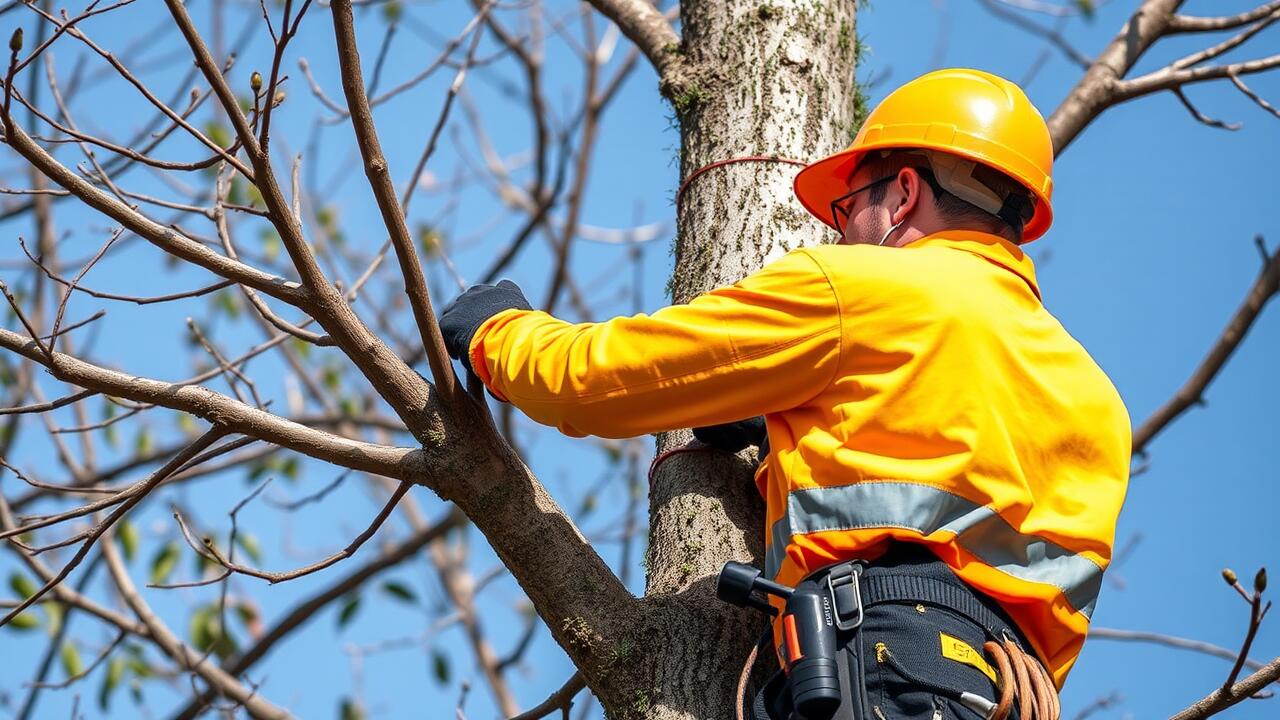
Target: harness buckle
{"type": "Point", "coordinates": [844, 587]}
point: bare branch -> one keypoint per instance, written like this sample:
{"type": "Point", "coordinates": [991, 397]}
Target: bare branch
{"type": "Point", "coordinates": [1054, 37]}
{"type": "Point", "coordinates": [1173, 641]}
{"type": "Point", "coordinates": [397, 463]}
{"type": "Point", "coordinates": [123, 298]}
{"type": "Point", "coordinates": [1190, 24]}
{"type": "Point", "coordinates": [1195, 113]}
{"type": "Point", "coordinates": [128, 76]}
{"type": "Point", "coordinates": [1228, 44]}
{"type": "Point", "coordinates": [1222, 699]}
{"type": "Point", "coordinates": [120, 636]}
{"type": "Point", "coordinates": [645, 26]}
{"type": "Point", "coordinates": [225, 685]}
{"type": "Point", "coordinates": [204, 441]}
{"type": "Point", "coordinates": [208, 549]}
{"type": "Point", "coordinates": [1167, 79]}
{"type": "Point", "coordinates": [1254, 96]}
{"type": "Point", "coordinates": [158, 235]}
{"type": "Point", "coordinates": [307, 609]}
{"type": "Point", "coordinates": [561, 699]}
{"type": "Point", "coordinates": [47, 406]}
{"type": "Point", "coordinates": [1192, 392]}
{"type": "Point", "coordinates": [1092, 94]}
{"type": "Point", "coordinates": [375, 166]}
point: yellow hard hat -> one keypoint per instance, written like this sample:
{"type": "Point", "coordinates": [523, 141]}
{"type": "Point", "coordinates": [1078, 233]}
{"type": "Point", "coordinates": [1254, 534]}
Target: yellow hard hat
{"type": "Point", "coordinates": [959, 111]}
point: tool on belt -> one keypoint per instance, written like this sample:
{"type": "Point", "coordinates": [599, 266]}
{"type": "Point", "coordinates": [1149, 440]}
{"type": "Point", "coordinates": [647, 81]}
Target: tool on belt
{"type": "Point", "coordinates": [823, 614]}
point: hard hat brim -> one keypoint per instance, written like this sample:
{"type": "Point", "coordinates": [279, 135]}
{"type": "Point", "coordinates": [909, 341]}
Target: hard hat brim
{"type": "Point", "coordinates": [820, 182]}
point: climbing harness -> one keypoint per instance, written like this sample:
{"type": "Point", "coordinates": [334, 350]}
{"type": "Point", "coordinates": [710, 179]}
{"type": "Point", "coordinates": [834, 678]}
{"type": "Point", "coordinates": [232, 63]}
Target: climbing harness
{"type": "Point", "coordinates": [829, 655]}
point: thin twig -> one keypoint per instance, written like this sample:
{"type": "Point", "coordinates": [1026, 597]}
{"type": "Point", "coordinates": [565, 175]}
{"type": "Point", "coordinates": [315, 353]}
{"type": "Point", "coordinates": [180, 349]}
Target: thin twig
{"type": "Point", "coordinates": [1192, 392]}
{"type": "Point", "coordinates": [204, 441]}
{"type": "Point", "coordinates": [210, 551]}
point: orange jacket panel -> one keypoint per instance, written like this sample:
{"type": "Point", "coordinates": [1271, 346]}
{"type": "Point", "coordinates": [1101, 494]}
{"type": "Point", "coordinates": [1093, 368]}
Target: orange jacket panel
{"type": "Point", "coordinates": [920, 393]}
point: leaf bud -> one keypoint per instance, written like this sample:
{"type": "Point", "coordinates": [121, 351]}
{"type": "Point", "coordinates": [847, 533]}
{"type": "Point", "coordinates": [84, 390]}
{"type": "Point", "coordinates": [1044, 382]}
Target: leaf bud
{"type": "Point", "coordinates": [1229, 576]}
{"type": "Point", "coordinates": [279, 98]}
{"type": "Point", "coordinates": [1260, 581]}
{"type": "Point", "coordinates": [15, 40]}
{"type": "Point", "coordinates": [255, 81]}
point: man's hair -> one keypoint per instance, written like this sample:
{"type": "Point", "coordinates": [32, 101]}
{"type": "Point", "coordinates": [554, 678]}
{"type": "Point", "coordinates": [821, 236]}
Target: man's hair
{"type": "Point", "coordinates": [963, 213]}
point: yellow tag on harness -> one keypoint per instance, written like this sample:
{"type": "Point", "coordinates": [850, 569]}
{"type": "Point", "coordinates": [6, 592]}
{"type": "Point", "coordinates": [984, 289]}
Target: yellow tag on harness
{"type": "Point", "coordinates": [953, 648]}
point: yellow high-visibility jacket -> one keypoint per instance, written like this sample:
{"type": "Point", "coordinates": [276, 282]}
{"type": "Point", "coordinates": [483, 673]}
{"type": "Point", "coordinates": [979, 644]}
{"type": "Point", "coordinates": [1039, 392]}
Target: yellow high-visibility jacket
{"type": "Point", "coordinates": [920, 393]}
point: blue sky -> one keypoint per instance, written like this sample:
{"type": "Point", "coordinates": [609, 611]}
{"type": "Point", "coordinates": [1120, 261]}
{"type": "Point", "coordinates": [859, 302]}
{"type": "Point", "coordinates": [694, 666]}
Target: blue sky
{"type": "Point", "coordinates": [1150, 254]}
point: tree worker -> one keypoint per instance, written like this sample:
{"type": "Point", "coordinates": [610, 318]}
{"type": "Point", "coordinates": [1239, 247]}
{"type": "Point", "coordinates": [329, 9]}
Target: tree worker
{"type": "Point", "coordinates": [929, 423]}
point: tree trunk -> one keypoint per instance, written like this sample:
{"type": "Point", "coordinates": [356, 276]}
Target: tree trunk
{"type": "Point", "coordinates": [772, 79]}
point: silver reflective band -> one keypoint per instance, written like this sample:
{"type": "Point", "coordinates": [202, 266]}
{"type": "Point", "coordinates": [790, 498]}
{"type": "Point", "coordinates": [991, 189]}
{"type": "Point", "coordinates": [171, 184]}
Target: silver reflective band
{"type": "Point", "coordinates": [926, 510]}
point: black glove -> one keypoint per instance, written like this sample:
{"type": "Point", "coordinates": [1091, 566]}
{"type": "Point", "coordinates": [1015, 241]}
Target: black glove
{"type": "Point", "coordinates": [735, 436]}
{"type": "Point", "coordinates": [461, 318]}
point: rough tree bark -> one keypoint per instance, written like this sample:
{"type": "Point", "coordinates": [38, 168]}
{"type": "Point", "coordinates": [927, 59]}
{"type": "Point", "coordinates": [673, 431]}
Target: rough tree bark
{"type": "Point", "coordinates": [772, 79]}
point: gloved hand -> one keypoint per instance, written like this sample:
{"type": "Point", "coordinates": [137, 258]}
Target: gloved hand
{"type": "Point", "coordinates": [461, 318]}
{"type": "Point", "coordinates": [735, 436]}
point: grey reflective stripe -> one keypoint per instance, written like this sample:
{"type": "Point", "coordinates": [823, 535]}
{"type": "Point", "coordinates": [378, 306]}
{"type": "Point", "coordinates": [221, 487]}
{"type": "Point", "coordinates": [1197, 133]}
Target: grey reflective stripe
{"type": "Point", "coordinates": [978, 529]}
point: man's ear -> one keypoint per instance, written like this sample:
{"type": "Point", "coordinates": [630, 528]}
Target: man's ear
{"type": "Point", "coordinates": [908, 184]}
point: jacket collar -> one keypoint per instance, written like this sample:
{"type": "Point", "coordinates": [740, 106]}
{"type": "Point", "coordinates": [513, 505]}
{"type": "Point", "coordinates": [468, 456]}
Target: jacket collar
{"type": "Point", "coordinates": [987, 246]}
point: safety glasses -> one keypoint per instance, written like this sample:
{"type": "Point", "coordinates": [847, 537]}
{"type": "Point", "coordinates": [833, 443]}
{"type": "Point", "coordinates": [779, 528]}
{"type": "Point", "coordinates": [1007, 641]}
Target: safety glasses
{"type": "Point", "coordinates": [839, 208]}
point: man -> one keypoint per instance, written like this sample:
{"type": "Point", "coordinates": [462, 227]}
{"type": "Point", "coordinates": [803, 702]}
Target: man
{"type": "Point", "coordinates": [926, 415]}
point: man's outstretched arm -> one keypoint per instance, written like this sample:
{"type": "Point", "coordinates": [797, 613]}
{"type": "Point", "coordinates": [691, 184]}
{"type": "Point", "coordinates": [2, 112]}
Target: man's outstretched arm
{"type": "Point", "coordinates": [768, 343]}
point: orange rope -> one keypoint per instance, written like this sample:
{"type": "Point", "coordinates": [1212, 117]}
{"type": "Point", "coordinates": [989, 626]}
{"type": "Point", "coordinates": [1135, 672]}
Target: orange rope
{"type": "Point", "coordinates": [653, 466]}
{"type": "Point", "coordinates": [719, 163]}
{"type": "Point", "coordinates": [1022, 676]}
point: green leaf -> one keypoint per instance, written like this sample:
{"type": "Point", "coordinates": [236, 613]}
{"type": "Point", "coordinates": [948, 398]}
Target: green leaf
{"type": "Point", "coordinates": [127, 534]}
{"type": "Point", "coordinates": [327, 216]}
{"type": "Point", "coordinates": [228, 302]}
{"type": "Point", "coordinates": [349, 405]}
{"type": "Point", "coordinates": [350, 710]}
{"type": "Point", "coordinates": [300, 346]}
{"type": "Point", "coordinates": [235, 191]}
{"type": "Point", "coordinates": [440, 666]}
{"type": "Point", "coordinates": [400, 591]}
{"type": "Point", "coordinates": [207, 632]}
{"type": "Point", "coordinates": [588, 504]}
{"type": "Point", "coordinates": [53, 611]}
{"type": "Point", "coordinates": [24, 621]}
{"type": "Point", "coordinates": [258, 468]}
{"type": "Point", "coordinates": [142, 443]}
{"type": "Point", "coordinates": [110, 681]}
{"type": "Point", "coordinates": [186, 424]}
{"type": "Point", "coordinates": [248, 615]}
{"type": "Point", "coordinates": [163, 562]}
{"type": "Point", "coordinates": [289, 468]}
{"type": "Point", "coordinates": [613, 453]}
{"type": "Point", "coordinates": [331, 376]}
{"type": "Point", "coordinates": [429, 239]}
{"type": "Point", "coordinates": [270, 245]}
{"type": "Point", "coordinates": [349, 608]}
{"type": "Point", "coordinates": [249, 544]}
{"type": "Point", "coordinates": [70, 658]}
{"type": "Point", "coordinates": [1087, 8]}
{"type": "Point", "coordinates": [22, 585]}
{"type": "Point", "coordinates": [218, 134]}
{"type": "Point", "coordinates": [391, 11]}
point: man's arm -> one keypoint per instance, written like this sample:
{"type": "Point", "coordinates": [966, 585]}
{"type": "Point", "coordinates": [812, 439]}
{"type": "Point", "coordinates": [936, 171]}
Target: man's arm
{"type": "Point", "coordinates": [765, 344]}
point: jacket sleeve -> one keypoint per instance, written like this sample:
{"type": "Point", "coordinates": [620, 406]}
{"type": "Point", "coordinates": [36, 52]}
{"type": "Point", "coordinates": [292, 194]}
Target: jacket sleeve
{"type": "Point", "coordinates": [766, 344]}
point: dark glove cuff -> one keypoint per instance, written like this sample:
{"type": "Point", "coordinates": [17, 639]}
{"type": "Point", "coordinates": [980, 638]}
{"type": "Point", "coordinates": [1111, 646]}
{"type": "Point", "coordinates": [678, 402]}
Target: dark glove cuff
{"type": "Point", "coordinates": [462, 319]}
